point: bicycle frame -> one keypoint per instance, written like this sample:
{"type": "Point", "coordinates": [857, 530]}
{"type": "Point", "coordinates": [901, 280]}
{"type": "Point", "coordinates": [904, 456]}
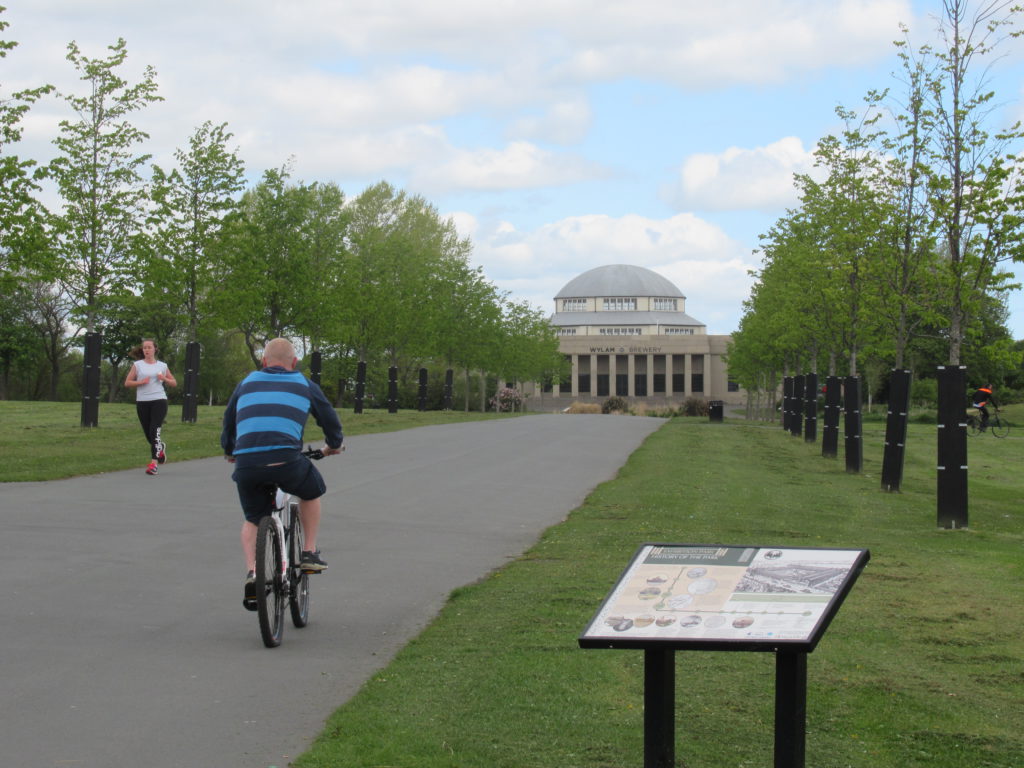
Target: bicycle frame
{"type": "Point", "coordinates": [282, 502]}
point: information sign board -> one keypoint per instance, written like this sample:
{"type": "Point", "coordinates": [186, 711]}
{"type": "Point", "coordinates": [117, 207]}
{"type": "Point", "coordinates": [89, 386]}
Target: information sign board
{"type": "Point", "coordinates": [712, 597]}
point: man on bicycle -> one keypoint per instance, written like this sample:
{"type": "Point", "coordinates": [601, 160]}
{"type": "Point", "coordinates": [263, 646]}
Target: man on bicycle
{"type": "Point", "coordinates": [983, 396]}
{"type": "Point", "coordinates": [262, 435]}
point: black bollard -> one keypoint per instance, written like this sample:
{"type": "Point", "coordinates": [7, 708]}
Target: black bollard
{"type": "Point", "coordinates": [952, 448]}
{"type": "Point", "coordinates": [811, 408]}
{"type": "Point", "coordinates": [896, 430]}
{"type": "Point", "coordinates": [360, 387]}
{"type": "Point", "coordinates": [830, 431]}
{"type": "Point", "coordinates": [796, 421]}
{"type": "Point", "coordinates": [392, 389]}
{"type": "Point", "coordinates": [787, 403]}
{"type": "Point", "coordinates": [91, 380]}
{"type": "Point", "coordinates": [853, 443]}
{"type": "Point", "coordinates": [423, 389]}
{"type": "Point", "coordinates": [316, 362]}
{"type": "Point", "coordinates": [190, 404]}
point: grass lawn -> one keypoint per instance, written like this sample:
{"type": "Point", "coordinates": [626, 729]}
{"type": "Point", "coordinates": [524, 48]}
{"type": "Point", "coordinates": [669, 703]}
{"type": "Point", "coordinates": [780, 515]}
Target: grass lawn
{"type": "Point", "coordinates": [922, 668]}
{"type": "Point", "coordinates": [43, 441]}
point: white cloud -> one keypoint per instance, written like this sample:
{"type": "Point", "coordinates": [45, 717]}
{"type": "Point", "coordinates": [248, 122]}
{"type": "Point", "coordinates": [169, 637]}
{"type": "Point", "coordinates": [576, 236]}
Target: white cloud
{"type": "Point", "coordinates": [708, 266]}
{"type": "Point", "coordinates": [306, 76]}
{"type": "Point", "coordinates": [519, 165]}
{"type": "Point", "coordinates": [736, 179]}
{"type": "Point", "coordinates": [564, 122]}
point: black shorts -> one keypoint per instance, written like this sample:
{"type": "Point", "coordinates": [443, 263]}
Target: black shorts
{"type": "Point", "coordinates": [256, 485]}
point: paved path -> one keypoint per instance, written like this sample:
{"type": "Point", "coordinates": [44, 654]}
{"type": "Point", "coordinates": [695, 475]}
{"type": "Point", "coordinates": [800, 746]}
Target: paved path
{"type": "Point", "coordinates": [124, 639]}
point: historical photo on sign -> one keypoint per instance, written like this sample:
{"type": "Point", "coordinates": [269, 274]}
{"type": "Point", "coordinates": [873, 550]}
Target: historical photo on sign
{"type": "Point", "coordinates": [723, 593]}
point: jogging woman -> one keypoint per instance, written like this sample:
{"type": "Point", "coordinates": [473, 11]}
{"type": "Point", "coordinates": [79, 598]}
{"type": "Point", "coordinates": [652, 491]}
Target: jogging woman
{"type": "Point", "coordinates": [148, 376]}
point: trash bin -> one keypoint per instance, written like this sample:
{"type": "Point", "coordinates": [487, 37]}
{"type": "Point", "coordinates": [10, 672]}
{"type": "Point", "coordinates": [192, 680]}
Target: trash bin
{"type": "Point", "coordinates": [716, 410]}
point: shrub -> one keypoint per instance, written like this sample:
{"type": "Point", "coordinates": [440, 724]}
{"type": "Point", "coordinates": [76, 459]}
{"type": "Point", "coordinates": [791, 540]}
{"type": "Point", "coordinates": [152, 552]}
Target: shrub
{"type": "Point", "coordinates": [615, 405]}
{"type": "Point", "coordinates": [506, 399]}
{"type": "Point", "coordinates": [694, 406]}
{"type": "Point", "coordinates": [924, 393]}
{"type": "Point", "coordinates": [583, 408]}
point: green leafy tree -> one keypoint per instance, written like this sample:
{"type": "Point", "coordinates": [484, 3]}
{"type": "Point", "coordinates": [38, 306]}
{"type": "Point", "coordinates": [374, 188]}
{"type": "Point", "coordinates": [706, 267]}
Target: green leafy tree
{"type": "Point", "coordinates": [911, 299]}
{"type": "Point", "coordinates": [395, 246]}
{"type": "Point", "coordinates": [98, 177]}
{"type": "Point", "coordinates": [191, 203]}
{"type": "Point", "coordinates": [21, 214]}
{"type": "Point", "coordinates": [272, 260]}
{"type": "Point", "coordinates": [972, 169]}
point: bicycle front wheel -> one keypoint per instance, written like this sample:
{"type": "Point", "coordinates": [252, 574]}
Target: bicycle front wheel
{"type": "Point", "coordinates": [999, 427]}
{"type": "Point", "coordinates": [298, 595]}
{"type": "Point", "coordinates": [270, 586]}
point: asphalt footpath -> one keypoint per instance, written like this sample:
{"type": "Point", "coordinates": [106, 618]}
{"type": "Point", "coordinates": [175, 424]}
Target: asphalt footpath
{"type": "Point", "coordinates": [124, 640]}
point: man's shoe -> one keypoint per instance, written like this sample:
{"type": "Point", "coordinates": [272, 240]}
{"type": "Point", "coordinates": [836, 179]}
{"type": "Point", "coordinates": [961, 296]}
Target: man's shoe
{"type": "Point", "coordinates": [249, 599]}
{"type": "Point", "coordinates": [161, 453]}
{"type": "Point", "coordinates": [151, 469]}
{"type": "Point", "coordinates": [311, 562]}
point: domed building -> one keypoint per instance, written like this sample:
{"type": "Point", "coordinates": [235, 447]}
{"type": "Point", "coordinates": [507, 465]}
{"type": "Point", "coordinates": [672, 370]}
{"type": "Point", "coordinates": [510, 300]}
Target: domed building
{"type": "Point", "coordinates": [626, 332]}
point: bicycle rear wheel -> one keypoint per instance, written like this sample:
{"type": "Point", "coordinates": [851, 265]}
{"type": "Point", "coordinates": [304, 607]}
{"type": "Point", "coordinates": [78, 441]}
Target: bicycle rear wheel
{"type": "Point", "coordinates": [999, 427]}
{"type": "Point", "coordinates": [298, 595]}
{"type": "Point", "coordinates": [270, 587]}
{"type": "Point", "coordinates": [973, 425]}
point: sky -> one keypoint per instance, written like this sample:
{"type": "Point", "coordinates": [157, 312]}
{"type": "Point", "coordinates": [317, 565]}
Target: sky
{"type": "Point", "coordinates": [559, 135]}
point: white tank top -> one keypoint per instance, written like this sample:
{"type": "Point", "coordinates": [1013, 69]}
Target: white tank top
{"type": "Point", "coordinates": [154, 390]}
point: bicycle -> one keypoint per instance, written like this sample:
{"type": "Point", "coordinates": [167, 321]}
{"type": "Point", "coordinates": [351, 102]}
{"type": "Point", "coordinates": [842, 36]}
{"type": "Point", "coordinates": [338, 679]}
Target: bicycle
{"type": "Point", "coordinates": [280, 581]}
{"type": "Point", "coordinates": [997, 426]}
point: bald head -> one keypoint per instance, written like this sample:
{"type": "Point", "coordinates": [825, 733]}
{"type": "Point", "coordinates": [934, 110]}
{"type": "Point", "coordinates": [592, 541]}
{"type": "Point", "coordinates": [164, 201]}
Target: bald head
{"type": "Point", "coordinates": [279, 352]}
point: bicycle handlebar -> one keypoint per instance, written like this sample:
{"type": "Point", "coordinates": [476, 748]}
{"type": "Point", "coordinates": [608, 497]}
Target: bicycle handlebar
{"type": "Point", "coordinates": [317, 453]}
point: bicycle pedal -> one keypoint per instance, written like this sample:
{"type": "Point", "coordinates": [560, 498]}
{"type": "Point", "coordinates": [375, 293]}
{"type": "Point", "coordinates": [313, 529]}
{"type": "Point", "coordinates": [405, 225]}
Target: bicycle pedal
{"type": "Point", "coordinates": [310, 572]}
{"type": "Point", "coordinates": [249, 605]}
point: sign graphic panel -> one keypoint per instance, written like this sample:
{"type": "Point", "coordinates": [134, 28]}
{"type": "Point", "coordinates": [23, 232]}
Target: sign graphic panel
{"type": "Point", "coordinates": [715, 596]}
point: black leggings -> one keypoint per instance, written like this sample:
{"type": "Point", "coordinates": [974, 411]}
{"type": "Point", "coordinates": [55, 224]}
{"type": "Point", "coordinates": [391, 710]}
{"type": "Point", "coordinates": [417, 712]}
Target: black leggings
{"type": "Point", "coordinates": [151, 416]}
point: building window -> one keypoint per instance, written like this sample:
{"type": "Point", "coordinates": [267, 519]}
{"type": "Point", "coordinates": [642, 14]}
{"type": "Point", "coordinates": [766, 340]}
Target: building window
{"type": "Point", "coordinates": [566, 331]}
{"type": "Point", "coordinates": [679, 331]}
{"type": "Point", "coordinates": [620, 305]}
{"type": "Point", "coordinates": [622, 384]}
{"type": "Point", "coordinates": [574, 305]}
{"type": "Point", "coordinates": [665, 304]}
{"type": "Point", "coordinates": [621, 331]}
{"type": "Point", "coordinates": [733, 386]}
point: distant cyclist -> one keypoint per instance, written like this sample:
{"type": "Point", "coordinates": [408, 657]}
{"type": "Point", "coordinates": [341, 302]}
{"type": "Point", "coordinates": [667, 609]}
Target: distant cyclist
{"type": "Point", "coordinates": [263, 425]}
{"type": "Point", "coordinates": [983, 396]}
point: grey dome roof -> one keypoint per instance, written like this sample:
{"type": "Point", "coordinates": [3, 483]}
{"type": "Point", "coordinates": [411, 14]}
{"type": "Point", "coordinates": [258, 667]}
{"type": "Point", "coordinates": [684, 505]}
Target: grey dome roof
{"type": "Point", "coordinates": [619, 280]}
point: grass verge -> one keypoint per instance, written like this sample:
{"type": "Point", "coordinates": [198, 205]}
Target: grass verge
{"type": "Point", "coordinates": [923, 667]}
{"type": "Point", "coordinates": [43, 441]}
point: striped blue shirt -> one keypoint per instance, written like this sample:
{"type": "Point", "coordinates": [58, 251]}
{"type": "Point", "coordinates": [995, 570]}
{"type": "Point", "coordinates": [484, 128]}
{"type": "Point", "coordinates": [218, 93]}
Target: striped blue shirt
{"type": "Point", "coordinates": [267, 414]}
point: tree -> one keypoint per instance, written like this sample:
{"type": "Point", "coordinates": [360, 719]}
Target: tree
{"type": "Point", "coordinates": [97, 175]}
{"type": "Point", "coordinates": [910, 296]}
{"type": "Point", "coordinates": [395, 245]}
{"type": "Point", "coordinates": [272, 260]}
{"type": "Point", "coordinates": [971, 169]}
{"type": "Point", "coordinates": [49, 313]}
{"type": "Point", "coordinates": [20, 212]}
{"type": "Point", "coordinates": [191, 204]}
